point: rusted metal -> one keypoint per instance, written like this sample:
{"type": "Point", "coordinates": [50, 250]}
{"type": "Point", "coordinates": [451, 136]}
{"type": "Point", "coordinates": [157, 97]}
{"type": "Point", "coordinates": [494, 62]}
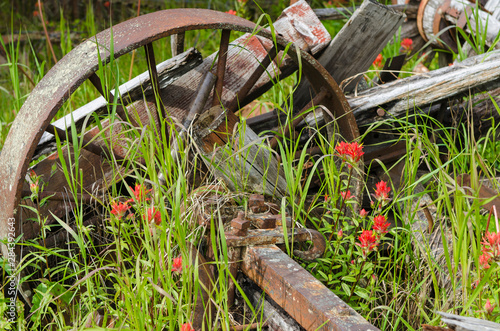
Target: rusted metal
{"type": "Point", "coordinates": [234, 259]}
{"type": "Point", "coordinates": [305, 298]}
{"type": "Point", "coordinates": [177, 43]}
{"type": "Point", "coordinates": [276, 236]}
{"type": "Point", "coordinates": [240, 225]}
{"type": "Point", "coordinates": [256, 203]}
{"type": "Point", "coordinates": [204, 89]}
{"type": "Point", "coordinates": [265, 221]}
{"type": "Point", "coordinates": [153, 75]}
{"type": "Point", "coordinates": [221, 66]}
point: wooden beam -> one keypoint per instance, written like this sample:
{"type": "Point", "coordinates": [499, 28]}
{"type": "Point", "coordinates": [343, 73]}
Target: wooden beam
{"type": "Point", "coordinates": [340, 13]}
{"type": "Point", "coordinates": [476, 74]}
{"type": "Point", "coordinates": [356, 46]}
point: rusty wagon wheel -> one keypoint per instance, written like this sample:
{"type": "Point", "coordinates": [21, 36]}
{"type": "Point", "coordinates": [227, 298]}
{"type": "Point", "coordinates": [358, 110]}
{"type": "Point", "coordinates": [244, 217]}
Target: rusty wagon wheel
{"type": "Point", "coordinates": [83, 62]}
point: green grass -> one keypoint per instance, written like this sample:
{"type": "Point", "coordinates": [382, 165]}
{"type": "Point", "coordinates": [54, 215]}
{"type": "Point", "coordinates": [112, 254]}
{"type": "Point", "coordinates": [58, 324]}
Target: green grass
{"type": "Point", "coordinates": [122, 266]}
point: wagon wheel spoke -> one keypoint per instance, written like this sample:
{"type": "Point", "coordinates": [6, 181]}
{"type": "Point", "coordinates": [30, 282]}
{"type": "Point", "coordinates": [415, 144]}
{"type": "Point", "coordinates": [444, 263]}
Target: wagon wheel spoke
{"type": "Point", "coordinates": [96, 81]}
{"type": "Point", "coordinates": [177, 43]}
{"type": "Point", "coordinates": [153, 75]}
{"type": "Point", "coordinates": [254, 77]}
{"type": "Point", "coordinates": [221, 66]}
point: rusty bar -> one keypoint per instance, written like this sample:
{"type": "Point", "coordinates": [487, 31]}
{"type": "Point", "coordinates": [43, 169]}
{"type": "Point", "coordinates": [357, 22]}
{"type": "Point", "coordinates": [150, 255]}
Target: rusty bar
{"type": "Point", "coordinates": [86, 143]}
{"type": "Point", "coordinates": [245, 89]}
{"type": "Point", "coordinates": [305, 298]}
{"type": "Point", "coordinates": [177, 43]}
{"type": "Point", "coordinates": [276, 236]}
{"type": "Point", "coordinates": [234, 257]}
{"type": "Point", "coordinates": [206, 85]}
{"type": "Point", "coordinates": [153, 75]}
{"type": "Point", "coordinates": [60, 196]}
{"type": "Point", "coordinates": [302, 114]}
{"type": "Point", "coordinates": [221, 66]}
{"type": "Point", "coordinates": [96, 81]}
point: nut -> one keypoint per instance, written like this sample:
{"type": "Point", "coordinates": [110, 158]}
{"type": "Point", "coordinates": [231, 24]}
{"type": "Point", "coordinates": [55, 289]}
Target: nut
{"type": "Point", "coordinates": [257, 204]}
{"type": "Point", "coordinates": [240, 225]}
{"type": "Point", "coordinates": [266, 222]}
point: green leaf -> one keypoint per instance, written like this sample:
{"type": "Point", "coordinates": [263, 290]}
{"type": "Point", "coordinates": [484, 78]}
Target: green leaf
{"type": "Point", "coordinates": [346, 289]}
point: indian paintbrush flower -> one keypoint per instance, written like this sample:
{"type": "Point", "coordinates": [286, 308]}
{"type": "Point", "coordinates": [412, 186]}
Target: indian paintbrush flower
{"type": "Point", "coordinates": [140, 193]}
{"type": "Point", "coordinates": [382, 191]}
{"type": "Point", "coordinates": [351, 152]}
{"type": "Point", "coordinates": [378, 61]}
{"type": "Point", "coordinates": [490, 249]}
{"type": "Point", "coordinates": [177, 264]}
{"type": "Point", "coordinates": [153, 215]}
{"type": "Point", "coordinates": [380, 224]}
{"type": "Point", "coordinates": [488, 306]}
{"type": "Point", "coordinates": [119, 209]}
{"type": "Point", "coordinates": [363, 213]}
{"type": "Point", "coordinates": [368, 241]}
{"type": "Point", "coordinates": [346, 195]}
{"type": "Point", "coordinates": [186, 327]}
{"type": "Point", "coordinates": [406, 45]}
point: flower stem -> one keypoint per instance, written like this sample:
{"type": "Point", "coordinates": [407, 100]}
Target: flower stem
{"type": "Point", "coordinates": [356, 282]}
{"type": "Point", "coordinates": [342, 205]}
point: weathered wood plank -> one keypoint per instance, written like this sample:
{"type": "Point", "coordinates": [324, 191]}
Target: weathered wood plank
{"type": "Point", "coordinates": [356, 46]}
{"type": "Point", "coordinates": [463, 323]}
{"type": "Point", "coordinates": [479, 73]}
{"type": "Point", "coordinates": [341, 13]}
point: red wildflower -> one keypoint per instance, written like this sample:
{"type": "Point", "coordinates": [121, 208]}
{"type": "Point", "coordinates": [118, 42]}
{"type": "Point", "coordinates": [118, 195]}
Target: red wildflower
{"type": "Point", "coordinates": [340, 233]}
{"type": "Point", "coordinates": [484, 260]}
{"type": "Point", "coordinates": [406, 45]}
{"type": "Point", "coordinates": [378, 61]}
{"type": "Point", "coordinates": [351, 152]}
{"type": "Point", "coordinates": [119, 209]}
{"type": "Point", "coordinates": [36, 13]}
{"type": "Point", "coordinates": [139, 193]}
{"type": "Point", "coordinates": [346, 195]}
{"type": "Point", "coordinates": [327, 197]}
{"type": "Point", "coordinates": [380, 224]}
{"type": "Point", "coordinates": [232, 12]}
{"type": "Point", "coordinates": [368, 241]}
{"type": "Point", "coordinates": [106, 4]}
{"type": "Point", "coordinates": [382, 191]}
{"type": "Point", "coordinates": [177, 264]}
{"type": "Point", "coordinates": [187, 327]}
{"type": "Point", "coordinates": [153, 216]}
{"type": "Point", "coordinates": [34, 188]}
{"type": "Point", "coordinates": [491, 243]}
{"type": "Point", "coordinates": [488, 307]}
{"type": "Point", "coordinates": [363, 213]}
